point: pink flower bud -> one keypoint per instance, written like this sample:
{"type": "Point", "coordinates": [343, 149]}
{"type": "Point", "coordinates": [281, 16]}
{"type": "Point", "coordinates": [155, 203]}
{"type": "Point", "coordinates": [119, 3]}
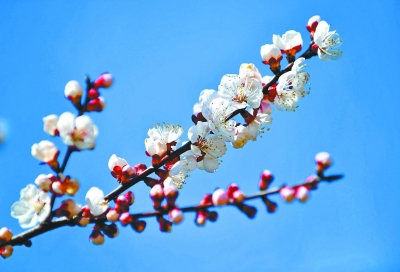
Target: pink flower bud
{"type": "Point", "coordinates": [171, 192]}
{"type": "Point", "coordinates": [323, 161]}
{"type": "Point", "coordinates": [43, 182]}
{"type": "Point", "coordinates": [129, 171]}
{"type": "Point", "coordinates": [59, 187]}
{"type": "Point", "coordinates": [312, 182]}
{"type": "Point", "coordinates": [93, 93]}
{"type": "Point", "coordinates": [157, 193]}
{"type": "Point", "coordinates": [140, 168]}
{"type": "Point", "coordinates": [5, 234]}
{"type": "Point", "coordinates": [73, 92]}
{"type": "Point", "coordinates": [104, 80]}
{"type": "Point", "coordinates": [125, 218]}
{"type": "Point", "coordinates": [250, 211]}
{"type": "Point", "coordinates": [68, 208]}
{"type": "Point", "coordinates": [302, 193]}
{"type": "Point", "coordinates": [175, 215]}
{"type": "Point", "coordinates": [6, 251]}
{"type": "Point", "coordinates": [83, 221]}
{"type": "Point", "coordinates": [266, 179]}
{"type": "Point", "coordinates": [219, 197]}
{"type": "Point", "coordinates": [238, 196]}
{"type": "Point", "coordinates": [313, 23]}
{"type": "Point", "coordinates": [110, 230]}
{"type": "Point", "coordinates": [98, 104]}
{"type": "Point", "coordinates": [271, 206]}
{"type": "Point", "coordinates": [231, 189]}
{"type": "Point", "coordinates": [200, 219]}
{"type": "Point", "coordinates": [72, 186]}
{"type": "Point", "coordinates": [207, 200]}
{"type": "Point", "coordinates": [287, 193]}
{"type": "Point", "coordinates": [122, 204]}
{"type": "Point", "coordinates": [96, 237]}
{"type": "Point", "coordinates": [130, 197]}
{"type": "Point", "coordinates": [138, 225]}
{"type": "Point", "coordinates": [112, 215]}
{"type": "Point", "coordinates": [165, 225]}
{"type": "Point", "coordinates": [86, 211]}
{"type": "Point", "coordinates": [212, 216]}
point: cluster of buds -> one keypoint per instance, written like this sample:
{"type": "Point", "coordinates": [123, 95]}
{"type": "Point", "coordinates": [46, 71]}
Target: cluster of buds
{"type": "Point", "coordinates": [122, 171]}
{"type": "Point", "coordinates": [94, 102]}
{"type": "Point", "coordinates": [5, 236]}
{"type": "Point", "coordinates": [169, 193]}
{"type": "Point", "coordinates": [101, 229]}
{"type": "Point", "coordinates": [60, 185]}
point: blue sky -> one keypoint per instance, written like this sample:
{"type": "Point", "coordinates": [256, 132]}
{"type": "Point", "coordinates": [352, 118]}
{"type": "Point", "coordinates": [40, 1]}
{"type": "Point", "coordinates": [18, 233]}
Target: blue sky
{"type": "Point", "coordinates": [162, 55]}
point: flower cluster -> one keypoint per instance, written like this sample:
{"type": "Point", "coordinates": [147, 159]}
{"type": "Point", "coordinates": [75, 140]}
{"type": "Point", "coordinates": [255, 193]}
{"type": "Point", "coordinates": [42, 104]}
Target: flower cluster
{"type": "Point", "coordinates": [247, 93]}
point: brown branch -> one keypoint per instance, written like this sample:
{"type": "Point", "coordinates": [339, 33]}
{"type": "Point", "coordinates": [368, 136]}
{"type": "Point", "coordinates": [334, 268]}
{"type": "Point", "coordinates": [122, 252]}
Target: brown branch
{"type": "Point", "coordinates": [24, 238]}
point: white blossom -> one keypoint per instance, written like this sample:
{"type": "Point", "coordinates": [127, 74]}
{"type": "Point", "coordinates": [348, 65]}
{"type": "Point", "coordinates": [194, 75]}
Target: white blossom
{"type": "Point", "coordinates": [116, 161]}
{"type": "Point", "coordinates": [205, 98]}
{"type": "Point", "coordinates": [44, 151]}
{"type": "Point", "coordinates": [33, 206]}
{"type": "Point", "coordinates": [291, 86]}
{"type": "Point", "coordinates": [73, 91]}
{"type": "Point", "coordinates": [241, 90]}
{"type": "Point", "coordinates": [257, 126]}
{"type": "Point", "coordinates": [79, 132]}
{"type": "Point", "coordinates": [216, 114]}
{"type": "Point", "coordinates": [270, 54]}
{"type": "Point", "coordinates": [160, 136]}
{"type": "Point", "coordinates": [50, 124]}
{"type": "Point", "coordinates": [95, 201]}
{"type": "Point", "coordinates": [290, 42]}
{"type": "Point", "coordinates": [328, 42]}
{"type": "Point", "coordinates": [249, 70]}
{"type": "Point", "coordinates": [242, 136]}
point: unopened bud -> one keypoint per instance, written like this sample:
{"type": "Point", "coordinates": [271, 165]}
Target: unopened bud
{"type": "Point", "coordinates": [6, 251]}
{"type": "Point", "coordinates": [104, 80]}
{"type": "Point", "coordinates": [200, 219]}
{"type": "Point", "coordinates": [59, 187]}
{"type": "Point", "coordinates": [302, 193]}
{"type": "Point", "coordinates": [130, 197]}
{"type": "Point", "coordinates": [250, 211]}
{"type": "Point", "coordinates": [312, 182]}
{"type": "Point", "coordinates": [43, 182]}
{"type": "Point", "coordinates": [73, 92]}
{"type": "Point", "coordinates": [112, 215]}
{"type": "Point", "coordinates": [231, 189]}
{"type": "Point", "coordinates": [140, 168]}
{"type": "Point", "coordinates": [207, 200]}
{"type": "Point", "coordinates": [110, 230]}
{"type": "Point", "coordinates": [175, 215]}
{"type": "Point", "coordinates": [171, 192]}
{"type": "Point", "coordinates": [219, 197]}
{"type": "Point", "coordinates": [5, 234]}
{"type": "Point", "coordinates": [128, 173]}
{"type": "Point", "coordinates": [125, 218]}
{"type": "Point", "coordinates": [238, 196]}
{"type": "Point", "coordinates": [93, 93]}
{"type": "Point", "coordinates": [323, 161]}
{"type": "Point", "coordinates": [212, 216]}
{"type": "Point", "coordinates": [138, 225]}
{"type": "Point", "coordinates": [157, 193]}
{"type": "Point", "coordinates": [83, 221]}
{"type": "Point", "coordinates": [98, 104]}
{"type": "Point", "coordinates": [96, 237]}
{"type": "Point", "coordinates": [287, 193]}
{"type": "Point", "coordinates": [68, 208]}
{"type": "Point", "coordinates": [266, 179]}
{"type": "Point", "coordinates": [165, 225]}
